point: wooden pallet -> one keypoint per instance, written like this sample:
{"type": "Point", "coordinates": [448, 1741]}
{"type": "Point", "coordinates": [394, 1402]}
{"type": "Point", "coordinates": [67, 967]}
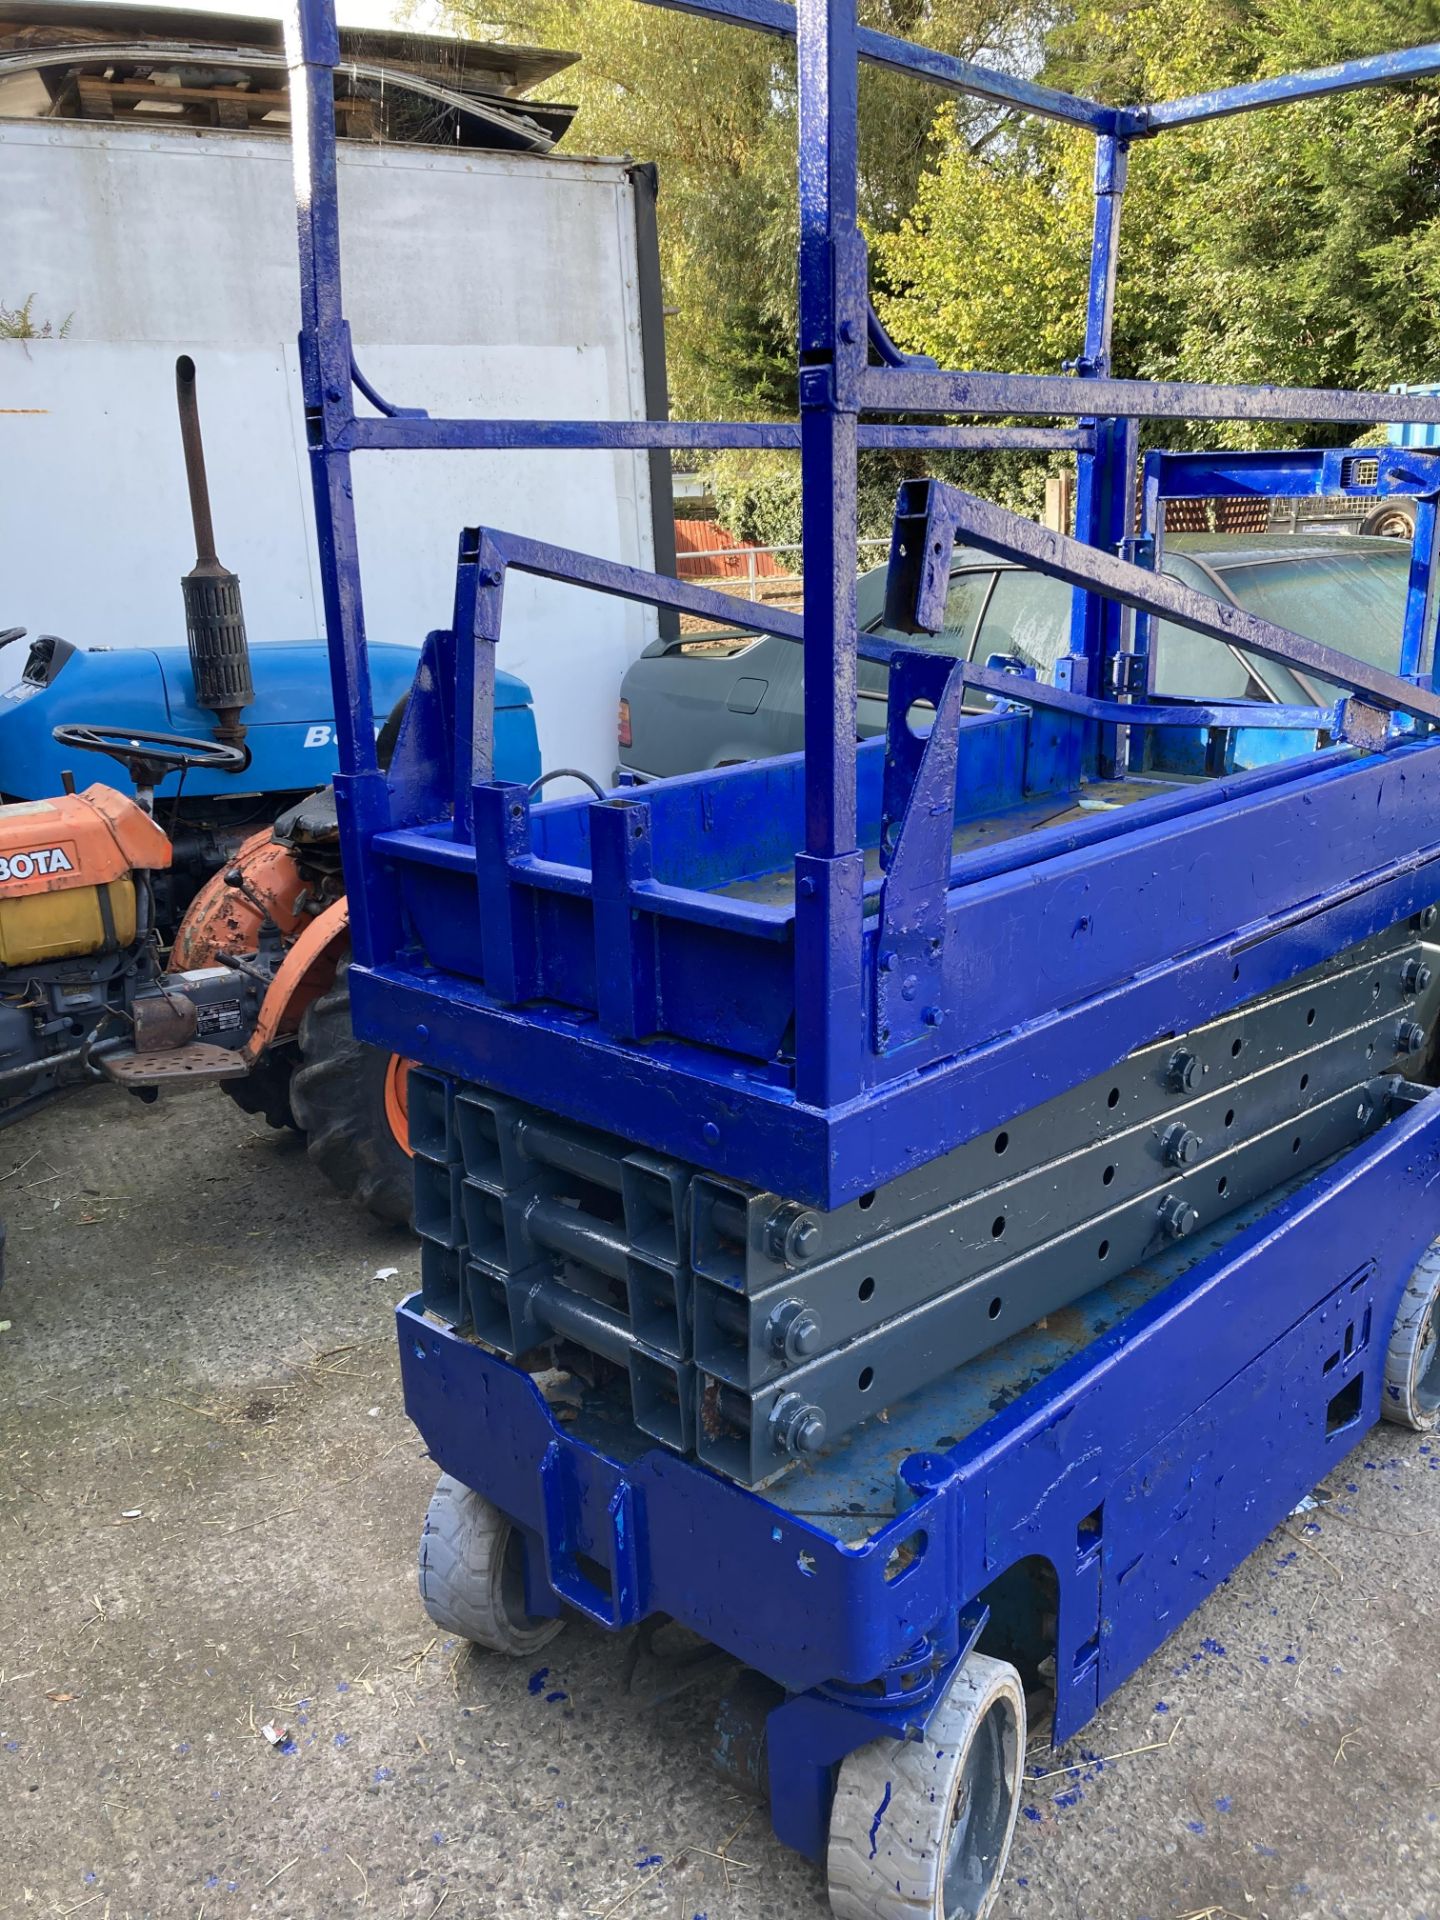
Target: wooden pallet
{"type": "Point", "coordinates": [94, 97]}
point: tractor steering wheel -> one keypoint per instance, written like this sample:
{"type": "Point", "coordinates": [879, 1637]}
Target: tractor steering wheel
{"type": "Point", "coordinates": [148, 757]}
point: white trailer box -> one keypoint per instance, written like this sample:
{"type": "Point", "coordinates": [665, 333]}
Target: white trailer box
{"type": "Point", "coordinates": [479, 283]}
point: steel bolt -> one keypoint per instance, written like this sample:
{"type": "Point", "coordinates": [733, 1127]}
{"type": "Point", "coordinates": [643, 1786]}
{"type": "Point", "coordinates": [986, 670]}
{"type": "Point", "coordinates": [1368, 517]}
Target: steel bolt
{"type": "Point", "coordinates": [792, 1234]}
{"type": "Point", "coordinates": [933, 1016]}
{"type": "Point", "coordinates": [1177, 1216]}
{"type": "Point", "coordinates": [1409, 1037]}
{"type": "Point", "coordinates": [1415, 978]}
{"type": "Point", "coordinates": [796, 1426]}
{"type": "Point", "coordinates": [1426, 918]}
{"type": "Point", "coordinates": [1180, 1145]}
{"type": "Point", "coordinates": [1183, 1073]}
{"type": "Point", "coordinates": [794, 1331]}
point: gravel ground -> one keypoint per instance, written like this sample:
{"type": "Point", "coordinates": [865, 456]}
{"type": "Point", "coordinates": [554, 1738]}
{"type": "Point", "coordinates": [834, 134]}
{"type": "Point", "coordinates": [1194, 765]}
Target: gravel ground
{"type": "Point", "coordinates": [209, 1504]}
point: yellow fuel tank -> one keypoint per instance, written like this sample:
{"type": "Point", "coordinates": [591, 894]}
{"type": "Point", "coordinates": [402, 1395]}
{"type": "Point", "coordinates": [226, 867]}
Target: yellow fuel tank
{"type": "Point", "coordinates": [66, 874]}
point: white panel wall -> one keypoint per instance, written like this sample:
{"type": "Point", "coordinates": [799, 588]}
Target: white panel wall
{"type": "Point", "coordinates": [476, 283]}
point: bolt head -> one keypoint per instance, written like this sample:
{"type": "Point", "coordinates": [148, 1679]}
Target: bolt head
{"type": "Point", "coordinates": [1178, 1217]}
{"type": "Point", "coordinates": [796, 1426]}
{"type": "Point", "coordinates": [1409, 1037]}
{"type": "Point", "coordinates": [1181, 1146]}
{"type": "Point", "coordinates": [1183, 1073]}
{"type": "Point", "coordinates": [803, 1338]}
{"type": "Point", "coordinates": [933, 1016]}
{"type": "Point", "coordinates": [803, 1240]}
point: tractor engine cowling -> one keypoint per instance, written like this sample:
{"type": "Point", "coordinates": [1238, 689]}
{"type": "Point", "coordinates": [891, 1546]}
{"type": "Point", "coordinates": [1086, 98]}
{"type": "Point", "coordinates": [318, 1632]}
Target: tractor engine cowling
{"type": "Point", "coordinates": [67, 874]}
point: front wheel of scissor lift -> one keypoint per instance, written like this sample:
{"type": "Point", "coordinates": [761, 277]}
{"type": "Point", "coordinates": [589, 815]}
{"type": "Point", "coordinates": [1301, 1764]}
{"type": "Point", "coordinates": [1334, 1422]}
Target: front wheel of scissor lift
{"type": "Point", "coordinates": [1411, 1393]}
{"type": "Point", "coordinates": [920, 1830]}
{"type": "Point", "coordinates": [472, 1574]}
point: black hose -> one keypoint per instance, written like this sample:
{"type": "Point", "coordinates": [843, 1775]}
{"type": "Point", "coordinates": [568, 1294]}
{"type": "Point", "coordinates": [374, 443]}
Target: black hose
{"type": "Point", "coordinates": [568, 773]}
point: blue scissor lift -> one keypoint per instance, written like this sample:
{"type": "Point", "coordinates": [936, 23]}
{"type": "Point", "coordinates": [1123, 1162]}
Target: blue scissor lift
{"type": "Point", "coordinates": [1052, 1074]}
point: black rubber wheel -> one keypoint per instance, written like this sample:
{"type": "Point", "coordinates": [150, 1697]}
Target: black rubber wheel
{"type": "Point", "coordinates": [266, 1089]}
{"type": "Point", "coordinates": [338, 1095]}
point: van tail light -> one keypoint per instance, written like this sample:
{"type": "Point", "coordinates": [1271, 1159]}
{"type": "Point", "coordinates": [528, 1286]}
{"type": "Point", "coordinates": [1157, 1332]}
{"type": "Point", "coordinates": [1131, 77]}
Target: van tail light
{"type": "Point", "coordinates": [623, 725]}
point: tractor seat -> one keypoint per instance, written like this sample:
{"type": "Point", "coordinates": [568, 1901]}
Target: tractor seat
{"type": "Point", "coordinates": [311, 822]}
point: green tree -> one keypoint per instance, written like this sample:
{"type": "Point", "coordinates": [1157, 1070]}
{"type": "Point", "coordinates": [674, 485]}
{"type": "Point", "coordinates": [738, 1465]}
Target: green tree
{"type": "Point", "coordinates": [714, 108]}
{"type": "Point", "coordinates": [1297, 245]}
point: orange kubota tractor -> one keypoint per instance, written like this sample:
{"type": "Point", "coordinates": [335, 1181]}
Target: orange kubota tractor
{"type": "Point", "coordinates": [281, 904]}
{"type": "Point", "coordinates": [252, 996]}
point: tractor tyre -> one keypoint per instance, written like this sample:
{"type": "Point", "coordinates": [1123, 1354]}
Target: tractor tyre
{"type": "Point", "coordinates": [344, 1097]}
{"type": "Point", "coordinates": [266, 1089]}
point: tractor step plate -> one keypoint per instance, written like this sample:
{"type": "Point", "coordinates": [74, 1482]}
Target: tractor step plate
{"type": "Point", "coordinates": [197, 1063]}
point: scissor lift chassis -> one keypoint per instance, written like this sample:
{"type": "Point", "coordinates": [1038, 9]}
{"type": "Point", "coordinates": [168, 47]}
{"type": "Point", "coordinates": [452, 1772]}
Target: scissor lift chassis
{"type": "Point", "coordinates": [1171, 1424]}
{"type": "Point", "coordinates": [776, 992]}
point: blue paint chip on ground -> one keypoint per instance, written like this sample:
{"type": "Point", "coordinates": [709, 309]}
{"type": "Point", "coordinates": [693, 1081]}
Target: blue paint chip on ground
{"type": "Point", "coordinates": [650, 1860]}
{"type": "Point", "coordinates": [1033, 1813]}
{"type": "Point", "coordinates": [536, 1682]}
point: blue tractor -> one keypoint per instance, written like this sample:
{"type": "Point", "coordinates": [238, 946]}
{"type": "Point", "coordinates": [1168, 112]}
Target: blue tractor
{"type": "Point", "coordinates": [220, 950]}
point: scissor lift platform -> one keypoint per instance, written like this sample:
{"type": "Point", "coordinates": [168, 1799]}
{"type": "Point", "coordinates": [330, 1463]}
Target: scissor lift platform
{"type": "Point", "coordinates": [1055, 978]}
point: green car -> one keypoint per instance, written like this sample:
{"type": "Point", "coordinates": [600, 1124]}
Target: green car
{"type": "Point", "coordinates": [712, 699]}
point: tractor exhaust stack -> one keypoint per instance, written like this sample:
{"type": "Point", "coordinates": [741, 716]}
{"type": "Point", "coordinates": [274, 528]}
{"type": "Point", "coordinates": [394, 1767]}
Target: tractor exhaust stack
{"type": "Point", "coordinates": [214, 617]}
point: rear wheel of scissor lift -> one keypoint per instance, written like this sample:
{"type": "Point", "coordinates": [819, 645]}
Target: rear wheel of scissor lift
{"type": "Point", "coordinates": [920, 1830]}
{"type": "Point", "coordinates": [1411, 1393]}
{"type": "Point", "coordinates": [472, 1573]}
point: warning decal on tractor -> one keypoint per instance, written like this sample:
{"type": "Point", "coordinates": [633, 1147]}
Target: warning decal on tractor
{"type": "Point", "coordinates": [222, 1016]}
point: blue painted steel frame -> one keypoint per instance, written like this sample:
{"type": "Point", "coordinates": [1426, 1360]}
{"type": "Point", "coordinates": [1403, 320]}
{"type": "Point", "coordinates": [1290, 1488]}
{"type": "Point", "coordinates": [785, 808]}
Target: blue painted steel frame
{"type": "Point", "coordinates": [863, 1066]}
{"type": "Point", "coordinates": [574, 945]}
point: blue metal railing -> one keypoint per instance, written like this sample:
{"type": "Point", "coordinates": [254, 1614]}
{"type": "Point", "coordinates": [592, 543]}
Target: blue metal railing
{"type": "Point", "coordinates": [839, 1026]}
